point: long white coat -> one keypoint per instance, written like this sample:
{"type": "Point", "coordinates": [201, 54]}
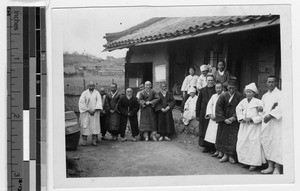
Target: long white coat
{"type": "Point", "coordinates": [271, 137]}
{"type": "Point", "coordinates": [189, 81]}
{"type": "Point", "coordinates": [189, 110]}
{"type": "Point", "coordinates": [212, 128]}
{"type": "Point", "coordinates": [90, 124]}
{"type": "Point", "coordinates": [248, 148]}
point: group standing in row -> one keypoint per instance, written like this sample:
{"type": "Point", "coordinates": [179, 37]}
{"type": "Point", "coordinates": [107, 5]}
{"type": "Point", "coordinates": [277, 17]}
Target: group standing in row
{"type": "Point", "coordinates": [231, 127]}
{"type": "Point", "coordinates": [147, 114]}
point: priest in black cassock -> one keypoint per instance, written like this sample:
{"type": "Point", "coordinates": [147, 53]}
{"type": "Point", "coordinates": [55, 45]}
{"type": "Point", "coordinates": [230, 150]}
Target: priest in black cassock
{"type": "Point", "coordinates": [228, 125]}
{"type": "Point", "coordinates": [203, 98]}
{"type": "Point", "coordinates": [164, 113]}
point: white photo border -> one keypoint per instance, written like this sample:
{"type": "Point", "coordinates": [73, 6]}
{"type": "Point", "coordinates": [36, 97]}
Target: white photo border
{"type": "Point", "coordinates": [57, 112]}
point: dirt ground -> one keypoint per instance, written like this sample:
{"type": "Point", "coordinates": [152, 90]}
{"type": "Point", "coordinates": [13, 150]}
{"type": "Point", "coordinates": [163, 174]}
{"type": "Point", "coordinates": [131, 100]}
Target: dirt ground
{"type": "Point", "coordinates": [181, 156]}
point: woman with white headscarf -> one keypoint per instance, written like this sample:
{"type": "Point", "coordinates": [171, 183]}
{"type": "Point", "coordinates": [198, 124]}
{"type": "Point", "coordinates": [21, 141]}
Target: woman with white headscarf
{"type": "Point", "coordinates": [249, 114]}
{"type": "Point", "coordinates": [190, 107]}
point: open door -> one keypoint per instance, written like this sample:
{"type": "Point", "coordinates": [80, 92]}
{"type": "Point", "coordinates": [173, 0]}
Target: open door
{"type": "Point", "coordinates": [136, 73]}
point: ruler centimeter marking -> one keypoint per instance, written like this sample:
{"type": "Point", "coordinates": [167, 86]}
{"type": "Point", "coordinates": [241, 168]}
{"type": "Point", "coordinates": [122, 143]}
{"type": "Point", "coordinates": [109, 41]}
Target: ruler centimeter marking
{"type": "Point", "coordinates": [26, 99]}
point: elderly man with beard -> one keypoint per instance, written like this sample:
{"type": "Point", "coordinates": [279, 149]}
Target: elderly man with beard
{"type": "Point", "coordinates": [90, 105]}
{"type": "Point", "coordinates": [148, 99]}
{"type": "Point", "coordinates": [128, 106]}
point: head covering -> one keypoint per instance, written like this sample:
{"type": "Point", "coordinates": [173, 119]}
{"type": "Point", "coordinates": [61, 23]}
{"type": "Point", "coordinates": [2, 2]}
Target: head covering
{"type": "Point", "coordinates": [203, 68]}
{"type": "Point", "coordinates": [252, 87]}
{"type": "Point", "coordinates": [232, 81]}
{"type": "Point", "coordinates": [192, 89]}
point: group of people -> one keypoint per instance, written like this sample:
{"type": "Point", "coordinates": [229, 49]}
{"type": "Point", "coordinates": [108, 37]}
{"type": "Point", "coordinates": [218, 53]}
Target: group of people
{"type": "Point", "coordinates": [146, 115]}
{"type": "Point", "coordinates": [233, 128]}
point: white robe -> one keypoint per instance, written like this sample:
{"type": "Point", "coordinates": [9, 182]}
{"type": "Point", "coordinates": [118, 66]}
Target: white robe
{"type": "Point", "coordinates": [248, 147]}
{"type": "Point", "coordinates": [189, 81]}
{"type": "Point", "coordinates": [90, 124]}
{"type": "Point", "coordinates": [201, 82]}
{"type": "Point", "coordinates": [189, 110]}
{"type": "Point", "coordinates": [212, 128]}
{"type": "Point", "coordinates": [271, 137]}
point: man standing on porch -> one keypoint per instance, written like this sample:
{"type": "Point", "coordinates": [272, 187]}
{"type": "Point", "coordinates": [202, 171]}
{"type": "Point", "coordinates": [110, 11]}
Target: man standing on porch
{"type": "Point", "coordinates": [201, 81]}
{"type": "Point", "coordinates": [189, 81]}
{"type": "Point", "coordinates": [228, 125]}
{"type": "Point", "coordinates": [90, 104]}
{"type": "Point", "coordinates": [222, 75]}
{"type": "Point", "coordinates": [202, 101]}
{"type": "Point", "coordinates": [271, 136]}
{"type": "Point", "coordinates": [148, 99]}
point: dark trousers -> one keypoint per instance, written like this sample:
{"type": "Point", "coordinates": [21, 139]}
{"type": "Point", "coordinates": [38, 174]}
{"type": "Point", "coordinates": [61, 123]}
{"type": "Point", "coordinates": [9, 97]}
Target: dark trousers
{"type": "Point", "coordinates": [133, 125]}
{"type": "Point", "coordinates": [183, 102]}
{"type": "Point", "coordinates": [103, 124]}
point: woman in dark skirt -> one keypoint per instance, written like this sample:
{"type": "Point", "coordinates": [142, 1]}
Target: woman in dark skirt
{"type": "Point", "coordinates": [164, 113]}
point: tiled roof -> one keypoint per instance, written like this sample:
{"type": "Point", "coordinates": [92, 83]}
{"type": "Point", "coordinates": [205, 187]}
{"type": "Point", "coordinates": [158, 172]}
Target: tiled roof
{"type": "Point", "coordinates": [163, 28]}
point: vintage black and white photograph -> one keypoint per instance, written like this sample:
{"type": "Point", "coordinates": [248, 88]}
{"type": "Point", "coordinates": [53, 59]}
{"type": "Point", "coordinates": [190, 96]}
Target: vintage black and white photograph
{"type": "Point", "coordinates": [166, 92]}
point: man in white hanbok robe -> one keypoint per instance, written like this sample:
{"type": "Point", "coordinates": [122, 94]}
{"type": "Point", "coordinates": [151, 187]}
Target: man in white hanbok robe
{"type": "Point", "coordinates": [90, 105]}
{"type": "Point", "coordinates": [201, 81]}
{"type": "Point", "coordinates": [190, 107]}
{"type": "Point", "coordinates": [271, 136]}
{"type": "Point", "coordinates": [249, 114]}
{"type": "Point", "coordinates": [212, 128]}
{"type": "Point", "coordinates": [189, 82]}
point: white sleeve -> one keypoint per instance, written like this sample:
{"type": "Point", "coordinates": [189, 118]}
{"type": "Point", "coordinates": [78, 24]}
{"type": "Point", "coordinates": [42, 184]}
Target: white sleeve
{"type": "Point", "coordinates": [82, 103]}
{"type": "Point", "coordinates": [239, 111]}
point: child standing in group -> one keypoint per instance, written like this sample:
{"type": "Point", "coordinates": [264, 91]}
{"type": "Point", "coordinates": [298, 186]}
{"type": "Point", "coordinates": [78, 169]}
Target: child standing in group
{"type": "Point", "coordinates": [249, 114]}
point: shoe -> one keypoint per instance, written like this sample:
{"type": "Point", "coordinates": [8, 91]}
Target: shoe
{"type": "Point", "coordinates": [84, 143]}
{"type": "Point", "coordinates": [216, 154]}
{"type": "Point", "coordinates": [94, 143]}
{"type": "Point", "coordinates": [252, 168]}
{"type": "Point", "coordinates": [123, 139]}
{"type": "Point", "coordinates": [167, 138]}
{"type": "Point", "coordinates": [269, 170]}
{"type": "Point", "coordinates": [154, 138]}
{"type": "Point", "coordinates": [276, 169]}
{"type": "Point", "coordinates": [104, 138]}
{"type": "Point", "coordinates": [205, 150]}
{"type": "Point", "coordinates": [220, 155]}
{"type": "Point", "coordinates": [161, 138]}
{"type": "Point", "coordinates": [133, 139]}
{"type": "Point", "coordinates": [224, 159]}
{"type": "Point", "coordinates": [232, 160]}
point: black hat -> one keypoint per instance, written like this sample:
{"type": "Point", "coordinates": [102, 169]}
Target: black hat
{"type": "Point", "coordinates": [232, 81]}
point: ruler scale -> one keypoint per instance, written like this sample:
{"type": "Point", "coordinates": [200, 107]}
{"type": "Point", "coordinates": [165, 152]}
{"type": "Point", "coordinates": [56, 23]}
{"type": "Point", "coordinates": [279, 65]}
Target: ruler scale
{"type": "Point", "coordinates": [26, 98]}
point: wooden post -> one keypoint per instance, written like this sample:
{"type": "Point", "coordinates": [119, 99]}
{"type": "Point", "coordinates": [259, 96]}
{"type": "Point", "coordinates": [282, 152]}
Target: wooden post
{"type": "Point", "coordinates": [84, 84]}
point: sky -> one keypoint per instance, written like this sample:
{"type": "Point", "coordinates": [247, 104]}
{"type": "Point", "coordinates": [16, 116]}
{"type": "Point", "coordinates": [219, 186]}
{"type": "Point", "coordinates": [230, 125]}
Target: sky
{"type": "Point", "coordinates": [84, 28]}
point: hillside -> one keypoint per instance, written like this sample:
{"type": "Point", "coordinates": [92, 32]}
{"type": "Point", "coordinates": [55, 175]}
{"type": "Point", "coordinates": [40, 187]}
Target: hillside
{"type": "Point", "coordinates": [86, 60]}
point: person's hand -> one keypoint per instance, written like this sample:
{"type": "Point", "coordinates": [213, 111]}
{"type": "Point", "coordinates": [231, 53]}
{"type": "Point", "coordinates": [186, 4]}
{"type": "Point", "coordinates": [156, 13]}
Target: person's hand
{"type": "Point", "coordinates": [112, 111]}
{"type": "Point", "coordinates": [227, 121]}
{"type": "Point", "coordinates": [148, 102]}
{"type": "Point", "coordinates": [184, 93]}
{"type": "Point", "coordinates": [128, 113]}
{"type": "Point", "coordinates": [246, 120]}
{"type": "Point", "coordinates": [212, 117]}
{"type": "Point", "coordinates": [167, 108]}
{"type": "Point", "coordinates": [268, 118]}
{"type": "Point", "coordinates": [260, 109]}
{"type": "Point", "coordinates": [163, 110]}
